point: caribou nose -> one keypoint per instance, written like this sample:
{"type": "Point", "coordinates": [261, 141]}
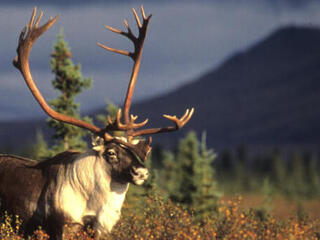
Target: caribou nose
{"type": "Point", "coordinates": [144, 175]}
{"type": "Point", "coordinates": [141, 173]}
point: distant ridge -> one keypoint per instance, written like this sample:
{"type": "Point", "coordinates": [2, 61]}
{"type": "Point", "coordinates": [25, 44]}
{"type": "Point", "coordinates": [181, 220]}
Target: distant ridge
{"type": "Point", "coordinates": [266, 95]}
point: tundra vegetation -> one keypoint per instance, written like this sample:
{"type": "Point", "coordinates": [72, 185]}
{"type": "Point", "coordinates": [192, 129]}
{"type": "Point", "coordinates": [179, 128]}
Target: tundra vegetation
{"type": "Point", "coordinates": [165, 208]}
{"type": "Point", "coordinates": [193, 191]}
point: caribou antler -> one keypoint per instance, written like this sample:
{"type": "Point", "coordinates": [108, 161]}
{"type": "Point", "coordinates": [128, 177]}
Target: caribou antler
{"type": "Point", "coordinates": [130, 124]}
{"type": "Point", "coordinates": [136, 57]}
{"type": "Point", "coordinates": [179, 123]}
{"type": "Point", "coordinates": [30, 33]}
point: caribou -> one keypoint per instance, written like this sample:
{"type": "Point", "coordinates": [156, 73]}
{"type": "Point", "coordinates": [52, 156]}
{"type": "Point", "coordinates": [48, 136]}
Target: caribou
{"type": "Point", "coordinates": [80, 189]}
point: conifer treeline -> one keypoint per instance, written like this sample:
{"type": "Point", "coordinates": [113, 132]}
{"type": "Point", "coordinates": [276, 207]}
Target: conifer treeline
{"type": "Point", "coordinates": [291, 172]}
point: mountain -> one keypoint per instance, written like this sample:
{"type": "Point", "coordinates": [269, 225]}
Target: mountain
{"type": "Point", "coordinates": [266, 95]}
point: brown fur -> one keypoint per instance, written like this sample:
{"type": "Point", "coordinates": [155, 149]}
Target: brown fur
{"type": "Point", "coordinates": [25, 188]}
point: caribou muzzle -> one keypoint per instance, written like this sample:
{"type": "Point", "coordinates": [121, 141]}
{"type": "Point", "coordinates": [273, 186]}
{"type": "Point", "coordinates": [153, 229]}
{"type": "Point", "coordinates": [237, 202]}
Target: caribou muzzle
{"type": "Point", "coordinates": [139, 175]}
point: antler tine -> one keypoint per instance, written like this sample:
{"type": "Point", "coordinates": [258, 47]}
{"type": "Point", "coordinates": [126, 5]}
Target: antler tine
{"type": "Point", "coordinates": [179, 123]}
{"type": "Point", "coordinates": [136, 57]}
{"type": "Point", "coordinates": [138, 46]}
{"type": "Point", "coordinates": [117, 125]}
{"type": "Point", "coordinates": [183, 120]}
{"type": "Point", "coordinates": [123, 52]}
{"type": "Point", "coordinates": [143, 12]}
{"type": "Point", "coordinates": [39, 19]}
{"type": "Point", "coordinates": [126, 34]}
{"type": "Point", "coordinates": [33, 16]}
{"type": "Point", "coordinates": [27, 38]}
{"type": "Point", "coordinates": [137, 18]}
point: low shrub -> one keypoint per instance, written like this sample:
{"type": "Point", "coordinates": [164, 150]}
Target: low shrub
{"type": "Point", "coordinates": [154, 218]}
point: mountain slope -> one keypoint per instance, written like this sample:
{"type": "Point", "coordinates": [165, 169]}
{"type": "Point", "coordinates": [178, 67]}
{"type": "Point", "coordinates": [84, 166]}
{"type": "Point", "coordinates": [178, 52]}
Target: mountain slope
{"type": "Point", "coordinates": [269, 94]}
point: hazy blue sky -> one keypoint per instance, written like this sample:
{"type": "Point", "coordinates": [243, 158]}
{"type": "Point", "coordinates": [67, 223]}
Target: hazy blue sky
{"type": "Point", "coordinates": [186, 39]}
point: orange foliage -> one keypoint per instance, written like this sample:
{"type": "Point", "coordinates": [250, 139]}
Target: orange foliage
{"type": "Point", "coordinates": [165, 220]}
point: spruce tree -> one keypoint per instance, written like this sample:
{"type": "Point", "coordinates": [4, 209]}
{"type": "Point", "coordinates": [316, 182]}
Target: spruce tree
{"type": "Point", "coordinates": [40, 148]}
{"type": "Point", "coordinates": [167, 178]}
{"type": "Point", "coordinates": [69, 82]}
{"type": "Point", "coordinates": [195, 184]}
{"type": "Point", "coordinates": [279, 171]}
{"type": "Point", "coordinates": [312, 177]}
{"type": "Point", "coordinates": [187, 155]}
{"type": "Point", "coordinates": [297, 176]}
{"type": "Point", "coordinates": [241, 177]}
{"type": "Point", "coordinates": [111, 110]}
{"type": "Point", "coordinates": [206, 196]}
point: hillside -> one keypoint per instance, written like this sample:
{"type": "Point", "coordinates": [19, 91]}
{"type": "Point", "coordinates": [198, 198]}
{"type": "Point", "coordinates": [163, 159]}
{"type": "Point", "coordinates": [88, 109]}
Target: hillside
{"type": "Point", "coordinates": [266, 95]}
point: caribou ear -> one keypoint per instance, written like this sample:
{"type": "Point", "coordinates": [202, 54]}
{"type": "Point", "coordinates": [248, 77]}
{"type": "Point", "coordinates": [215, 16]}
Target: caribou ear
{"type": "Point", "coordinates": [97, 143]}
{"type": "Point", "coordinates": [142, 149]}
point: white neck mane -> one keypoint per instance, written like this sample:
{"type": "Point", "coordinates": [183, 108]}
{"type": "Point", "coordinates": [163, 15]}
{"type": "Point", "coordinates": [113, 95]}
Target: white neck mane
{"type": "Point", "coordinates": [85, 188]}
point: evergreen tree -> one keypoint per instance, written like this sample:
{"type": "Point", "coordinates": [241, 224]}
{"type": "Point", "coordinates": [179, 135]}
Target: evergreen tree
{"type": "Point", "coordinates": [188, 154]}
{"type": "Point", "coordinates": [40, 148]}
{"type": "Point", "coordinates": [241, 177]}
{"type": "Point", "coordinates": [206, 196]}
{"type": "Point", "coordinates": [111, 110]}
{"type": "Point", "coordinates": [194, 177]}
{"type": "Point", "coordinates": [312, 177]}
{"type": "Point", "coordinates": [167, 178]}
{"type": "Point", "coordinates": [279, 170]}
{"type": "Point", "coordinates": [297, 183]}
{"type": "Point", "coordinates": [69, 82]}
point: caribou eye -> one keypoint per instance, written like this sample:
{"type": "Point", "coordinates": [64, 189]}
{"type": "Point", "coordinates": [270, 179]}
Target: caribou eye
{"type": "Point", "coordinates": [111, 152]}
{"type": "Point", "coordinates": [111, 156]}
